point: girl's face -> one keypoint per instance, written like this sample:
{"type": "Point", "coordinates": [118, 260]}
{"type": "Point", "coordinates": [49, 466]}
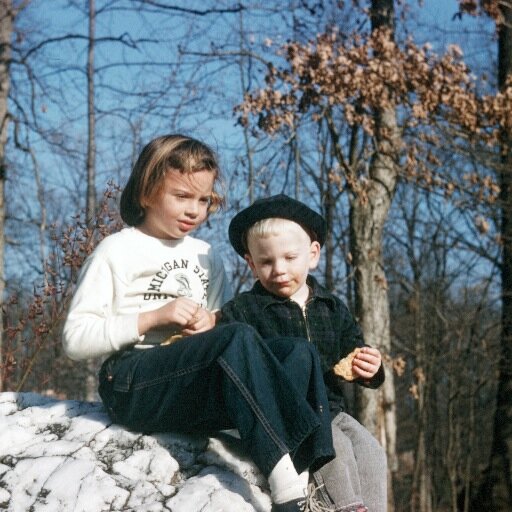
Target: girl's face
{"type": "Point", "coordinates": [180, 206]}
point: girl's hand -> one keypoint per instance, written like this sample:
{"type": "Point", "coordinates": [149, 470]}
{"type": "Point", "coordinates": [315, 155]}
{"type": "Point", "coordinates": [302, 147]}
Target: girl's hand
{"type": "Point", "coordinates": [181, 312]}
{"type": "Point", "coordinates": [367, 362]}
{"type": "Point", "coordinates": [201, 321]}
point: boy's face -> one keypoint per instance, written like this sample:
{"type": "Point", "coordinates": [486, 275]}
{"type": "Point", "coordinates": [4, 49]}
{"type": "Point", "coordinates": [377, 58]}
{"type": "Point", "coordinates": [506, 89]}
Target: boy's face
{"type": "Point", "coordinates": [282, 261]}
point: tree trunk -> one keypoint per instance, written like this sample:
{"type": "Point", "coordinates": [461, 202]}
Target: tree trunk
{"type": "Point", "coordinates": [249, 151]}
{"type": "Point", "coordinates": [499, 478]}
{"type": "Point", "coordinates": [6, 20]}
{"type": "Point", "coordinates": [91, 121]}
{"type": "Point", "coordinates": [376, 410]}
{"type": "Point", "coordinates": [367, 218]}
{"type": "Point", "coordinates": [496, 491]}
{"type": "Point", "coordinates": [329, 242]}
{"type": "Point", "coordinates": [421, 495]}
{"type": "Point", "coordinates": [91, 168]}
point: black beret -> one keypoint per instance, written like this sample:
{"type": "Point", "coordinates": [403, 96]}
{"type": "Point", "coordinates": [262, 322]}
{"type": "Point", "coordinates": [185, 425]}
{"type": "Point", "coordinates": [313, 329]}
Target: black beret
{"type": "Point", "coordinates": [279, 206]}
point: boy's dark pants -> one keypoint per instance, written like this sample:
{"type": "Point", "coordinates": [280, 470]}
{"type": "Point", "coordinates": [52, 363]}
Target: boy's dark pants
{"type": "Point", "coordinates": [222, 379]}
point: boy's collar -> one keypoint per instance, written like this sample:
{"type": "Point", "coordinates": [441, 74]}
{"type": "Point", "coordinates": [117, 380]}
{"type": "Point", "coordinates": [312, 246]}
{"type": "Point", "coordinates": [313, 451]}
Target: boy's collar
{"type": "Point", "coordinates": [317, 291]}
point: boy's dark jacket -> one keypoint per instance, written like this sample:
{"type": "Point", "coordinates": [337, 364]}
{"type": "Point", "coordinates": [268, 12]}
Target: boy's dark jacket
{"type": "Point", "coordinates": [326, 322]}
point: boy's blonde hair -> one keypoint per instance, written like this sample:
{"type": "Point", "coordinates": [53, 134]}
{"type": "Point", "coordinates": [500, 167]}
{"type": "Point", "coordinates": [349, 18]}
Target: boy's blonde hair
{"type": "Point", "coordinates": [270, 227]}
{"type": "Point", "coordinates": [175, 152]}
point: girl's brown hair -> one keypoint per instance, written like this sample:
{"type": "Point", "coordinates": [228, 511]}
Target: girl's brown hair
{"type": "Point", "coordinates": [173, 152]}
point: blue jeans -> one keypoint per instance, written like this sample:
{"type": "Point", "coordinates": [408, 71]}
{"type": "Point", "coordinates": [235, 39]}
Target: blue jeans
{"type": "Point", "coordinates": [222, 379]}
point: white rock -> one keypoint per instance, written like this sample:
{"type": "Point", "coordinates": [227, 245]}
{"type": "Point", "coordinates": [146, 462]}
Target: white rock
{"type": "Point", "coordinates": [218, 491]}
{"type": "Point", "coordinates": [66, 456]}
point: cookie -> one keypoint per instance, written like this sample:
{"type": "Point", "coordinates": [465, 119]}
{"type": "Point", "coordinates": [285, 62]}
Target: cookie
{"type": "Point", "coordinates": [343, 368]}
{"type": "Point", "coordinates": [172, 339]}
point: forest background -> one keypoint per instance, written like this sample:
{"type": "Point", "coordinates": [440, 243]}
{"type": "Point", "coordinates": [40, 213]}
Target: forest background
{"type": "Point", "coordinates": [392, 118]}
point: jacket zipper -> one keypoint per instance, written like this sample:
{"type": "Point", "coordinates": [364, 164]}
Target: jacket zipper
{"type": "Point", "coordinates": [305, 316]}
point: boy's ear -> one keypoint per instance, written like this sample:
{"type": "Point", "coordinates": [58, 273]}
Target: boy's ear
{"type": "Point", "coordinates": [314, 255]}
{"type": "Point", "coordinates": [248, 258]}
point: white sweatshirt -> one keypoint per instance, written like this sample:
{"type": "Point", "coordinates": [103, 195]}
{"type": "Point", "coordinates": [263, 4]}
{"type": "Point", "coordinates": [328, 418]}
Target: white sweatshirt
{"type": "Point", "coordinates": [130, 272]}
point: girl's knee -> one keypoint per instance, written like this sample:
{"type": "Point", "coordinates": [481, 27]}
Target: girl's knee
{"type": "Point", "coordinates": [238, 331]}
{"type": "Point", "coordinates": [241, 337]}
{"type": "Point", "coordinates": [305, 350]}
{"type": "Point", "coordinates": [300, 356]}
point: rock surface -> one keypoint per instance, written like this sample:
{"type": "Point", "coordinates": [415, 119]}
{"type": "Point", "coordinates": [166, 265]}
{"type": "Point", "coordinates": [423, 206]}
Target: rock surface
{"type": "Point", "coordinates": [67, 456]}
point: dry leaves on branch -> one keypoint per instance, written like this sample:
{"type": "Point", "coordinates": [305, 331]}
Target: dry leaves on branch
{"type": "Point", "coordinates": [433, 95]}
{"type": "Point", "coordinates": [492, 8]}
{"type": "Point", "coordinates": [39, 319]}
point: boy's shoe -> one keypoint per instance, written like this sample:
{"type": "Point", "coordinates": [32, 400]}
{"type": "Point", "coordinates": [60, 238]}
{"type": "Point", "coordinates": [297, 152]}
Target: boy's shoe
{"type": "Point", "coordinates": [354, 508]}
{"type": "Point", "coordinates": [314, 501]}
{"type": "Point", "coordinates": [308, 504]}
{"type": "Point", "coordinates": [298, 505]}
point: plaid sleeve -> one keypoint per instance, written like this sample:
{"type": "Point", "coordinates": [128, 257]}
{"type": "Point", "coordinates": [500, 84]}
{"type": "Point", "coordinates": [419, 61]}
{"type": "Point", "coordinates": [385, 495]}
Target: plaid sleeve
{"type": "Point", "coordinates": [231, 312]}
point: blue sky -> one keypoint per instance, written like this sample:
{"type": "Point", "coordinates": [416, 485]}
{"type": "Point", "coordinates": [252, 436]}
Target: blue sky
{"type": "Point", "coordinates": [209, 117]}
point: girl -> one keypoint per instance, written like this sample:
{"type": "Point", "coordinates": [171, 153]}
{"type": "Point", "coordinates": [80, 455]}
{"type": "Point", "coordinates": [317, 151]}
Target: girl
{"type": "Point", "coordinates": [147, 298]}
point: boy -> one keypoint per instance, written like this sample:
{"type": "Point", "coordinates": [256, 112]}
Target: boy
{"type": "Point", "coordinates": [281, 238]}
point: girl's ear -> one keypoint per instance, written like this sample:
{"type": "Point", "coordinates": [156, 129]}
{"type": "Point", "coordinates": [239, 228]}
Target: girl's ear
{"type": "Point", "coordinates": [314, 255]}
{"type": "Point", "coordinates": [249, 260]}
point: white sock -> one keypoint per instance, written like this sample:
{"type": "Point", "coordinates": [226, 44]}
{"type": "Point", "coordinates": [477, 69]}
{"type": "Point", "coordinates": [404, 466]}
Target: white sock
{"type": "Point", "coordinates": [285, 483]}
{"type": "Point", "coordinates": [304, 478]}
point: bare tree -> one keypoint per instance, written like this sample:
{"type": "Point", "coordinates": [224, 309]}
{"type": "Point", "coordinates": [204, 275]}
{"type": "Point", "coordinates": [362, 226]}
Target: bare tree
{"type": "Point", "coordinates": [141, 106]}
{"type": "Point", "coordinates": [6, 20]}
{"type": "Point", "coordinates": [496, 490]}
{"type": "Point", "coordinates": [361, 89]}
{"type": "Point", "coordinates": [8, 13]}
{"type": "Point", "coordinates": [445, 326]}
{"type": "Point", "coordinates": [368, 216]}
{"type": "Point", "coordinates": [90, 208]}
{"type": "Point", "coordinates": [500, 474]}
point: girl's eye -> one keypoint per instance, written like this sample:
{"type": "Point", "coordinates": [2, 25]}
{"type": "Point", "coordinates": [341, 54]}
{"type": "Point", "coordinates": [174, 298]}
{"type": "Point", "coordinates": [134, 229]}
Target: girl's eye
{"type": "Point", "coordinates": [205, 200]}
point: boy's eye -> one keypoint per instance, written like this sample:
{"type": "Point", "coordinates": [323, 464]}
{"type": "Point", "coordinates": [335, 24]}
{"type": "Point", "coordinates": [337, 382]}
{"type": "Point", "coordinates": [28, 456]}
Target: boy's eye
{"type": "Point", "coordinates": [205, 200]}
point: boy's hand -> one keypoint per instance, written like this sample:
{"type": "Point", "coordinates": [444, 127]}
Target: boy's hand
{"type": "Point", "coordinates": [366, 363]}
